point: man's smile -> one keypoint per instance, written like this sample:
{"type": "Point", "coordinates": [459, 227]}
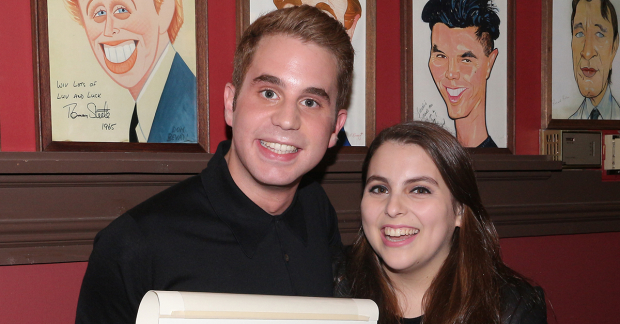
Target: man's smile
{"type": "Point", "coordinates": [455, 93]}
{"type": "Point", "coordinates": [120, 56]}
{"type": "Point", "coordinates": [279, 148]}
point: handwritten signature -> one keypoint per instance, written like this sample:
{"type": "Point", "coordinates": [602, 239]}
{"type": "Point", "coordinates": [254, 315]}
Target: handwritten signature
{"type": "Point", "coordinates": [557, 101]}
{"type": "Point", "coordinates": [427, 113]}
{"type": "Point", "coordinates": [92, 111]}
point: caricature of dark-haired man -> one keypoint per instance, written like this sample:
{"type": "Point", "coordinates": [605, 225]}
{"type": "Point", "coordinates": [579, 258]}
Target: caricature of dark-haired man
{"type": "Point", "coordinates": [594, 26]}
{"type": "Point", "coordinates": [461, 59]}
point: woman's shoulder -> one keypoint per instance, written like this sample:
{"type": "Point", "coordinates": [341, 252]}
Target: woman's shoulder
{"type": "Point", "coordinates": [523, 303]}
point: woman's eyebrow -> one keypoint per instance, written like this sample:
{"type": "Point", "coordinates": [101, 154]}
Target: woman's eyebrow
{"type": "Point", "coordinates": [422, 179]}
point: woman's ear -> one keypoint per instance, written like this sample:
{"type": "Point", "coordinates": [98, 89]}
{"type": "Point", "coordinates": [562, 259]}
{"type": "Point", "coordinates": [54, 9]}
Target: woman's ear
{"type": "Point", "coordinates": [460, 210]}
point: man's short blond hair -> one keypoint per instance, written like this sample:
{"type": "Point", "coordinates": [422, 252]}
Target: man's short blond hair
{"type": "Point", "coordinates": [173, 30]}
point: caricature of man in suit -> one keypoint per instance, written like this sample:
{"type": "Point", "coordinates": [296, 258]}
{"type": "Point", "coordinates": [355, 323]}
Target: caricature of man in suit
{"type": "Point", "coordinates": [132, 41]}
{"type": "Point", "coordinates": [347, 12]}
{"type": "Point", "coordinates": [594, 26]}
{"type": "Point", "coordinates": [462, 57]}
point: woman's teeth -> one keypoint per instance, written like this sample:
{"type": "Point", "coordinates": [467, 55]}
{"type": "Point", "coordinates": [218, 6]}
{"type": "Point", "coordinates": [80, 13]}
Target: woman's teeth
{"type": "Point", "coordinates": [395, 233]}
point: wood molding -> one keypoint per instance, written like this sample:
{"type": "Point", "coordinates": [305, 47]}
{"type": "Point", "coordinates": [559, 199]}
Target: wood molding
{"type": "Point", "coordinates": [53, 204]}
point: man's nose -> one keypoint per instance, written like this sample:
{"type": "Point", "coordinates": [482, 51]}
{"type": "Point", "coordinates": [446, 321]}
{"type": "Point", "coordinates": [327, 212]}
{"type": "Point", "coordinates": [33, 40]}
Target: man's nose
{"type": "Point", "coordinates": [109, 29]}
{"type": "Point", "coordinates": [287, 116]}
{"type": "Point", "coordinates": [588, 50]}
{"type": "Point", "coordinates": [452, 73]}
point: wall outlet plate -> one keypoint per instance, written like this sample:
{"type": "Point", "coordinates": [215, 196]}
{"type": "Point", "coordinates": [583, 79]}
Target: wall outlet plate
{"type": "Point", "coordinates": [576, 149]}
{"type": "Point", "coordinates": [612, 152]}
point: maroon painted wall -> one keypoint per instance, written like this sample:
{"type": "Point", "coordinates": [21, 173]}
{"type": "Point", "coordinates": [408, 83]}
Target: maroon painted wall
{"type": "Point", "coordinates": [579, 272]}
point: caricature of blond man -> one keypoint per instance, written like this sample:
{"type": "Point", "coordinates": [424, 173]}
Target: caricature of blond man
{"type": "Point", "coordinates": [132, 41]}
{"type": "Point", "coordinates": [347, 12]}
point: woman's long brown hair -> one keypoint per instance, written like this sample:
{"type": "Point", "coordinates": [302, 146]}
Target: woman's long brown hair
{"type": "Point", "coordinates": [467, 286]}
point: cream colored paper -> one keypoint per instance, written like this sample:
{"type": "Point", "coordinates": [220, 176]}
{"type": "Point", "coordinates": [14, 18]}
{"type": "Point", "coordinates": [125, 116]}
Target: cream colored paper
{"type": "Point", "coordinates": [192, 307]}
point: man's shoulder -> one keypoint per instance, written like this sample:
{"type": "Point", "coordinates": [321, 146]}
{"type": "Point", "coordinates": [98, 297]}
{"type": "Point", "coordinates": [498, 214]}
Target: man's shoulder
{"type": "Point", "coordinates": [178, 202]}
{"type": "Point", "coordinates": [311, 191]}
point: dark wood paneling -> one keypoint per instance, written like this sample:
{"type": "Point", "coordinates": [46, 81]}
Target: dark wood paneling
{"type": "Point", "coordinates": [53, 204]}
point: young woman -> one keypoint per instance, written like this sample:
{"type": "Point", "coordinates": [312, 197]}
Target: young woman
{"type": "Point", "coordinates": [428, 251]}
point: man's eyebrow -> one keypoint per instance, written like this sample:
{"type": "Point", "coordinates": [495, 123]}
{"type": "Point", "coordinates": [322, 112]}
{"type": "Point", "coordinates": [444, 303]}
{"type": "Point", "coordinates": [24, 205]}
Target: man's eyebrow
{"type": "Point", "coordinates": [578, 25]}
{"type": "Point", "coordinates": [89, 1]}
{"type": "Point", "coordinates": [318, 92]}
{"type": "Point", "coordinates": [468, 54]}
{"type": "Point", "coordinates": [436, 49]}
{"type": "Point", "coordinates": [268, 79]}
{"type": "Point", "coordinates": [603, 29]}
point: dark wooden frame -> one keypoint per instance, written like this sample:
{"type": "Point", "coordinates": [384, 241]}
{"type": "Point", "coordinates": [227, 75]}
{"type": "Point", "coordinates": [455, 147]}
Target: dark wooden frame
{"type": "Point", "coordinates": [406, 59]}
{"type": "Point", "coordinates": [43, 100]}
{"type": "Point", "coordinates": [547, 121]}
{"type": "Point", "coordinates": [243, 21]}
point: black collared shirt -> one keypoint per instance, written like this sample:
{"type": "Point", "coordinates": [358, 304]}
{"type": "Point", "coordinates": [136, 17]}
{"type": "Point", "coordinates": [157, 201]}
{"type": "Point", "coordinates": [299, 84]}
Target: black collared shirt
{"type": "Point", "coordinates": [205, 234]}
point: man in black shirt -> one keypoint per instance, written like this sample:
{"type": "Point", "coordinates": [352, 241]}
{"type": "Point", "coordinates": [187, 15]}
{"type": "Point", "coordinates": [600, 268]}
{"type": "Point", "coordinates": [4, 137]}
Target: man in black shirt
{"type": "Point", "coordinates": [249, 223]}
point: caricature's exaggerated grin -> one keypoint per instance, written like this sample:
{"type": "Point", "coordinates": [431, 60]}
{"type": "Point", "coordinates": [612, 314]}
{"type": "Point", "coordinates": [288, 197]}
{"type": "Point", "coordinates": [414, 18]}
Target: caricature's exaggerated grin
{"type": "Point", "coordinates": [454, 94]}
{"type": "Point", "coordinates": [279, 148]}
{"type": "Point", "coordinates": [400, 234]}
{"type": "Point", "coordinates": [120, 56]}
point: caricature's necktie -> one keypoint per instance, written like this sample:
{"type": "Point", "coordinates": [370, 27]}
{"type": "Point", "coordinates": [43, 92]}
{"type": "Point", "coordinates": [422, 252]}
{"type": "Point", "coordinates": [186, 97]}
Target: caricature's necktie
{"type": "Point", "coordinates": [595, 114]}
{"type": "Point", "coordinates": [133, 136]}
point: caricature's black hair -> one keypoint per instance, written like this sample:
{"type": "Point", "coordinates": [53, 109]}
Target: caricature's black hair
{"type": "Point", "coordinates": [465, 13]}
{"type": "Point", "coordinates": [608, 12]}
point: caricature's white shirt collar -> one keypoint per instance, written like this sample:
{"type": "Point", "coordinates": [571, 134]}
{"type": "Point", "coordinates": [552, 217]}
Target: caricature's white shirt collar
{"type": "Point", "coordinates": [148, 99]}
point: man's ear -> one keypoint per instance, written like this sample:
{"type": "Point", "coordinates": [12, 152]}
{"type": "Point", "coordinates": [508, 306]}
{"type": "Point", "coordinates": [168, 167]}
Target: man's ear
{"type": "Point", "coordinates": [166, 12]}
{"type": "Point", "coordinates": [229, 103]}
{"type": "Point", "coordinates": [340, 119]}
{"type": "Point", "coordinates": [492, 58]}
{"type": "Point", "coordinates": [351, 30]}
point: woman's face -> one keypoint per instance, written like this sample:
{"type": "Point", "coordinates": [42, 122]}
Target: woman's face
{"type": "Point", "coordinates": [408, 213]}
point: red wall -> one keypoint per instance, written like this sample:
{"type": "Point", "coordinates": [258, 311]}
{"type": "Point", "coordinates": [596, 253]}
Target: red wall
{"type": "Point", "coordinates": [579, 272]}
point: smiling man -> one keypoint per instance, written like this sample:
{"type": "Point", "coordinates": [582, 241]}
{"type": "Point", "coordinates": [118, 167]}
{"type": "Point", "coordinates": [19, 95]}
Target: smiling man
{"type": "Point", "coordinates": [132, 41]}
{"type": "Point", "coordinates": [594, 43]}
{"type": "Point", "coordinates": [250, 222]}
{"type": "Point", "coordinates": [462, 56]}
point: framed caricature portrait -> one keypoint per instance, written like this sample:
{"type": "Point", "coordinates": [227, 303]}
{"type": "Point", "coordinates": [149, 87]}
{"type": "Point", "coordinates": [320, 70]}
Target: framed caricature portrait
{"type": "Point", "coordinates": [460, 72]}
{"type": "Point", "coordinates": [579, 54]}
{"type": "Point", "coordinates": [358, 17]}
{"type": "Point", "coordinates": [110, 80]}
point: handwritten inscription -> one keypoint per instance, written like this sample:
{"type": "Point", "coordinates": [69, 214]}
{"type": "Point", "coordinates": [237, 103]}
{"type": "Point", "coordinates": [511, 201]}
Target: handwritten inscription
{"type": "Point", "coordinates": [92, 111]}
{"type": "Point", "coordinates": [107, 126]}
{"type": "Point", "coordinates": [78, 109]}
{"type": "Point", "coordinates": [559, 101]}
{"type": "Point", "coordinates": [177, 134]}
{"type": "Point", "coordinates": [427, 112]}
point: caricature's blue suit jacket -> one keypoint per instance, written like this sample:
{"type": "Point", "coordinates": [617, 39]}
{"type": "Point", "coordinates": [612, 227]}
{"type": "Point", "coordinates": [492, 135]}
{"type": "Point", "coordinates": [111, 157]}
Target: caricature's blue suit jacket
{"type": "Point", "coordinates": [176, 117]}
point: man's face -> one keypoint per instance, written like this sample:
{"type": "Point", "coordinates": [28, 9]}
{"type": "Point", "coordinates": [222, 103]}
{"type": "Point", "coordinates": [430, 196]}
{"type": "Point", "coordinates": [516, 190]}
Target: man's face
{"type": "Point", "coordinates": [334, 8]}
{"type": "Point", "coordinates": [460, 68]}
{"type": "Point", "coordinates": [285, 115]}
{"type": "Point", "coordinates": [125, 36]}
{"type": "Point", "coordinates": [593, 47]}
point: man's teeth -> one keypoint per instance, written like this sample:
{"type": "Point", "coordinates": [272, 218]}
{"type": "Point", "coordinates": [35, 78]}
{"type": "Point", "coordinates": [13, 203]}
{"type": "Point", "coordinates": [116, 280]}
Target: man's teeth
{"type": "Point", "coordinates": [119, 53]}
{"type": "Point", "coordinates": [279, 148]}
{"type": "Point", "coordinates": [397, 232]}
{"type": "Point", "coordinates": [455, 92]}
